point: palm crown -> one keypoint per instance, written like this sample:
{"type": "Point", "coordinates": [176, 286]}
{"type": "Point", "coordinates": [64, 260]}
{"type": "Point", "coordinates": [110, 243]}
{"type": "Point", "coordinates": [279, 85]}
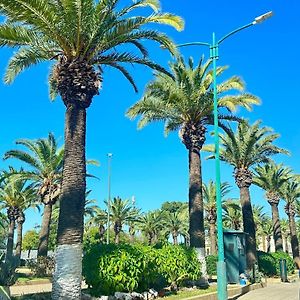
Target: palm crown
{"type": "Point", "coordinates": [80, 31]}
{"type": "Point", "coordinates": [46, 161]}
{"type": "Point", "coordinates": [250, 145]}
{"type": "Point", "coordinates": [187, 98]}
{"type": "Point", "coordinates": [271, 178]}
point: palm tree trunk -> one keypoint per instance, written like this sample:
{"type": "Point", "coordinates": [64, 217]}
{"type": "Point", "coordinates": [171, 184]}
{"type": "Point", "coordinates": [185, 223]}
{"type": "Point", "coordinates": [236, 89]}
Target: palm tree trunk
{"type": "Point", "coordinates": [249, 227]}
{"type": "Point", "coordinates": [263, 239]}
{"type": "Point", "coordinates": [68, 275]}
{"type": "Point", "coordinates": [294, 240]}
{"type": "Point", "coordinates": [131, 237]}
{"type": "Point", "coordinates": [117, 238]}
{"type": "Point", "coordinates": [175, 238]}
{"type": "Point", "coordinates": [19, 242]}
{"type": "Point", "coordinates": [268, 244]}
{"type": "Point", "coordinates": [45, 230]}
{"type": "Point", "coordinates": [10, 242]}
{"type": "Point", "coordinates": [196, 228]}
{"type": "Point", "coordinates": [276, 228]}
{"type": "Point", "coordinates": [286, 246]}
{"type": "Point", "coordinates": [213, 240]}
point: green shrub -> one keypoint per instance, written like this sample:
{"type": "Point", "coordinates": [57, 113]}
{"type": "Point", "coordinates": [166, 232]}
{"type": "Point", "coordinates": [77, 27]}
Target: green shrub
{"type": "Point", "coordinates": [124, 268]}
{"type": "Point", "coordinates": [211, 264]}
{"type": "Point", "coordinates": [290, 265]}
{"type": "Point", "coordinates": [268, 263]}
{"type": "Point", "coordinates": [42, 267]}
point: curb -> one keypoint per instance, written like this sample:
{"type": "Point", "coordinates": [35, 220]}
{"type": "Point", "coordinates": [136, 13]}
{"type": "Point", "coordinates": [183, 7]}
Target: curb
{"type": "Point", "coordinates": [233, 292]}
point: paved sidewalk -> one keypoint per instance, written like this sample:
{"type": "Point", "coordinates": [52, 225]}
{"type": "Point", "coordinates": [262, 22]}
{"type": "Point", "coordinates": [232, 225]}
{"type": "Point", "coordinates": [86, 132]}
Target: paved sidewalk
{"type": "Point", "coordinates": [278, 291]}
{"type": "Point", "coordinates": [18, 290]}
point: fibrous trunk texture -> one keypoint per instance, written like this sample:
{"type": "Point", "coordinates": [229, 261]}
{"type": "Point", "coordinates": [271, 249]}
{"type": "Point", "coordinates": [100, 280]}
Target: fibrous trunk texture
{"type": "Point", "coordinates": [77, 83]}
{"type": "Point", "coordinates": [274, 201]}
{"type": "Point", "coordinates": [45, 230]}
{"type": "Point", "coordinates": [243, 179]}
{"type": "Point", "coordinates": [291, 212]}
{"type": "Point", "coordinates": [213, 240]}
{"type": "Point", "coordinates": [20, 222]}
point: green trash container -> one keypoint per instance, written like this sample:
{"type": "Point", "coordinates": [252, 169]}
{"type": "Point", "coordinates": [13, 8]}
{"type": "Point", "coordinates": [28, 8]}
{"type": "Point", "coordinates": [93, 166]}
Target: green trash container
{"type": "Point", "coordinates": [283, 270]}
{"type": "Point", "coordinates": [235, 254]}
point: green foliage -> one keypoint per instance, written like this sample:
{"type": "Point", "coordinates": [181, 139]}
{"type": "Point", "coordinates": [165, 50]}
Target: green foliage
{"type": "Point", "coordinates": [172, 206]}
{"type": "Point", "coordinates": [30, 240]}
{"type": "Point", "coordinates": [91, 237]}
{"type": "Point", "coordinates": [268, 263]}
{"type": "Point", "coordinates": [111, 268]}
{"type": "Point", "coordinates": [211, 264]}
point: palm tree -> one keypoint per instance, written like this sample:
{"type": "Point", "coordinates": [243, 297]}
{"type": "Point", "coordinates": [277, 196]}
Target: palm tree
{"type": "Point", "coordinates": [46, 162]}
{"type": "Point", "coordinates": [185, 103]}
{"type": "Point", "coordinates": [243, 149]}
{"type": "Point", "coordinates": [133, 224]}
{"type": "Point", "coordinates": [259, 217]}
{"type": "Point", "coordinates": [80, 37]}
{"type": "Point", "coordinates": [173, 225]}
{"type": "Point", "coordinates": [290, 193]}
{"type": "Point", "coordinates": [150, 224]}
{"type": "Point", "coordinates": [16, 195]}
{"type": "Point", "coordinates": [232, 215]}
{"type": "Point", "coordinates": [121, 213]}
{"type": "Point", "coordinates": [267, 229]}
{"type": "Point", "coordinates": [99, 219]}
{"type": "Point", "coordinates": [3, 226]}
{"type": "Point", "coordinates": [284, 225]}
{"type": "Point", "coordinates": [271, 178]}
{"type": "Point", "coordinates": [209, 196]}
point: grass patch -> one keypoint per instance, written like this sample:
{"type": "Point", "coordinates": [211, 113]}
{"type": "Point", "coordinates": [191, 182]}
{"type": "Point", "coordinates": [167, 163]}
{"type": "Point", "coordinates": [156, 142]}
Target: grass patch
{"type": "Point", "coordinates": [27, 279]}
{"type": "Point", "coordinates": [43, 296]}
{"type": "Point", "coordinates": [186, 294]}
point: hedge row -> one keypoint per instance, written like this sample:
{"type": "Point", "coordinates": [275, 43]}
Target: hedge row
{"type": "Point", "coordinates": [268, 263]}
{"type": "Point", "coordinates": [126, 268]}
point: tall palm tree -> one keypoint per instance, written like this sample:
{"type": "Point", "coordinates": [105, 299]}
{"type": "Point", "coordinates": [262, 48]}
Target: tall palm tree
{"type": "Point", "coordinates": [232, 215]}
{"type": "Point", "coordinates": [99, 219]}
{"type": "Point", "coordinates": [173, 225]}
{"type": "Point", "coordinates": [121, 213]}
{"type": "Point", "coordinates": [271, 178]}
{"type": "Point", "coordinates": [46, 162]}
{"type": "Point", "coordinates": [209, 197]}
{"type": "Point", "coordinates": [290, 193]}
{"type": "Point", "coordinates": [259, 217]}
{"type": "Point", "coordinates": [150, 224]}
{"type": "Point", "coordinates": [80, 37]}
{"type": "Point", "coordinates": [185, 103]}
{"type": "Point", "coordinates": [16, 195]}
{"type": "Point", "coordinates": [284, 225]}
{"type": "Point", "coordinates": [3, 228]}
{"type": "Point", "coordinates": [243, 149]}
{"type": "Point", "coordinates": [267, 229]}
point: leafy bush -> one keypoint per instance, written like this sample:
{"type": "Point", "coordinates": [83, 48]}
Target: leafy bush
{"type": "Point", "coordinates": [42, 267]}
{"type": "Point", "coordinates": [211, 264]}
{"type": "Point", "coordinates": [124, 268]}
{"type": "Point", "coordinates": [290, 265]}
{"type": "Point", "coordinates": [268, 263]}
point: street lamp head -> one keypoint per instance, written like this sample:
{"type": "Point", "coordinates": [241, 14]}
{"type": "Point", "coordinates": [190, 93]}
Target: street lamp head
{"type": "Point", "coordinates": [109, 154]}
{"type": "Point", "coordinates": [263, 17]}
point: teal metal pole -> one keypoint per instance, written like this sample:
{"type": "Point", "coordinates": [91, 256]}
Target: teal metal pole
{"type": "Point", "coordinates": [221, 267]}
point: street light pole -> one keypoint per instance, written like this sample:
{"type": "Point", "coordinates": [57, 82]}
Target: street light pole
{"type": "Point", "coordinates": [109, 155]}
{"type": "Point", "coordinates": [214, 56]}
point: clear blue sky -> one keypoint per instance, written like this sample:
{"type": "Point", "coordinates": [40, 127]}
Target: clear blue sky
{"type": "Point", "coordinates": [145, 163]}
